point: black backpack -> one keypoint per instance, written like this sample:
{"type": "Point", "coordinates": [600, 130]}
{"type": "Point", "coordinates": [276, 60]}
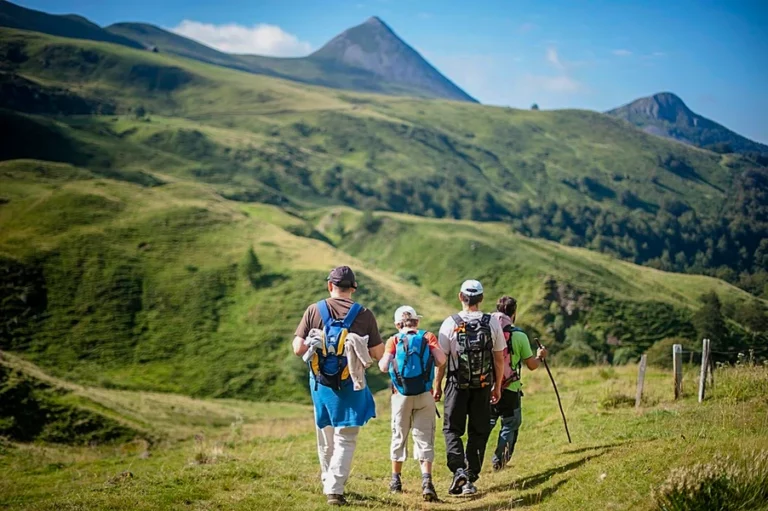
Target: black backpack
{"type": "Point", "coordinates": [475, 353]}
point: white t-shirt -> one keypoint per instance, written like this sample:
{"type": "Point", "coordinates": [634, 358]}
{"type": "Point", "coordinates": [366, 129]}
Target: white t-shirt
{"type": "Point", "coordinates": [447, 336]}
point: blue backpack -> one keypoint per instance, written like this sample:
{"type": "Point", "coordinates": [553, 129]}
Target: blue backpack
{"type": "Point", "coordinates": [329, 363]}
{"type": "Point", "coordinates": [412, 368]}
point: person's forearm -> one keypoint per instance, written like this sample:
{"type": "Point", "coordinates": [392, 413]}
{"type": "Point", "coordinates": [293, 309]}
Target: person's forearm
{"type": "Point", "coordinates": [384, 363]}
{"type": "Point", "coordinates": [498, 365]}
{"type": "Point", "coordinates": [439, 375]}
{"type": "Point", "coordinates": [299, 348]}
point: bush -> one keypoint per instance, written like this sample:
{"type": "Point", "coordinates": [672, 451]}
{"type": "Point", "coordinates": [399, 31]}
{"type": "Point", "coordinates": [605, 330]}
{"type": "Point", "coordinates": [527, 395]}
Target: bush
{"type": "Point", "coordinates": [660, 354]}
{"type": "Point", "coordinates": [624, 356]}
{"type": "Point", "coordinates": [576, 355]}
{"type": "Point", "coordinates": [724, 484]}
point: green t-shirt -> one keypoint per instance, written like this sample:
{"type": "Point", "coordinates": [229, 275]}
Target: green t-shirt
{"type": "Point", "coordinates": [521, 349]}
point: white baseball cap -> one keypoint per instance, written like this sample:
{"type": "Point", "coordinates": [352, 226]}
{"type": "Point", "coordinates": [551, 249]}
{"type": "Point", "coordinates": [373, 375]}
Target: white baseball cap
{"type": "Point", "coordinates": [405, 312]}
{"type": "Point", "coordinates": [472, 288]}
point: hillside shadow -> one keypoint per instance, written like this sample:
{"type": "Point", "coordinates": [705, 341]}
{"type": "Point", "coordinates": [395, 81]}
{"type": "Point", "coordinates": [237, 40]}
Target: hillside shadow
{"type": "Point", "coordinates": [538, 479]}
{"type": "Point", "coordinates": [529, 499]}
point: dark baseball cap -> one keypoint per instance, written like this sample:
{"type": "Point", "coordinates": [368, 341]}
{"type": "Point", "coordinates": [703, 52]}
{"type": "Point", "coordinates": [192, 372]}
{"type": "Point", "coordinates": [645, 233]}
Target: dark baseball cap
{"type": "Point", "coordinates": [342, 276]}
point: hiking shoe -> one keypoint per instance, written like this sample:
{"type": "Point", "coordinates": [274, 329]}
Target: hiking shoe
{"type": "Point", "coordinates": [396, 485]}
{"type": "Point", "coordinates": [497, 465]}
{"type": "Point", "coordinates": [469, 489]}
{"type": "Point", "coordinates": [336, 500]}
{"type": "Point", "coordinates": [459, 480]}
{"type": "Point", "coordinates": [428, 492]}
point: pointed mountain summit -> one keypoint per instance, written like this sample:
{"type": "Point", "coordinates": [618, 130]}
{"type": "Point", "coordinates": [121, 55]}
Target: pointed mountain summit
{"type": "Point", "coordinates": [374, 47]}
{"type": "Point", "coordinates": [665, 114]}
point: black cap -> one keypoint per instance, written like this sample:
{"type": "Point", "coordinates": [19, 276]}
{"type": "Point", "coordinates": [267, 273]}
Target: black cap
{"type": "Point", "coordinates": [342, 276]}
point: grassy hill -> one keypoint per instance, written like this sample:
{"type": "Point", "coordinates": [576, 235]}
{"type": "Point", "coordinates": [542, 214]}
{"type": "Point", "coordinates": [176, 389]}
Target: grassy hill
{"type": "Point", "coordinates": [578, 178]}
{"type": "Point", "coordinates": [240, 455]}
{"type": "Point", "coordinates": [140, 234]}
{"type": "Point", "coordinates": [163, 284]}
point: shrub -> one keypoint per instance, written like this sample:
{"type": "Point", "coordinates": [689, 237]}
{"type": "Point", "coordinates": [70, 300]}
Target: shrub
{"type": "Point", "coordinates": [724, 484]}
{"type": "Point", "coordinates": [624, 356]}
{"type": "Point", "coordinates": [576, 355]}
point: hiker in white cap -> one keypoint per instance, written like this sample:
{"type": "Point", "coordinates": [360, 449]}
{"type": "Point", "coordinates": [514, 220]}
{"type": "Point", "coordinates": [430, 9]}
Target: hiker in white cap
{"type": "Point", "coordinates": [410, 357]}
{"type": "Point", "coordinates": [474, 343]}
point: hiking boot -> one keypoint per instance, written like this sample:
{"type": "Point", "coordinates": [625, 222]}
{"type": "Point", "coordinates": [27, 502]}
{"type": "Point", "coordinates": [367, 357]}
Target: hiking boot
{"type": "Point", "coordinates": [396, 485]}
{"type": "Point", "coordinates": [336, 500]}
{"type": "Point", "coordinates": [459, 480]}
{"type": "Point", "coordinates": [497, 465]}
{"type": "Point", "coordinates": [428, 492]}
{"type": "Point", "coordinates": [469, 489]}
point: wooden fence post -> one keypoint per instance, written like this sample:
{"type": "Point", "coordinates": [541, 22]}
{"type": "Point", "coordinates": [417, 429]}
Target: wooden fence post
{"type": "Point", "coordinates": [640, 380]}
{"type": "Point", "coordinates": [704, 368]}
{"type": "Point", "coordinates": [677, 363]}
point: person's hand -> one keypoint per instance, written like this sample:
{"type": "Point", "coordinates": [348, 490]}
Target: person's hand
{"type": "Point", "coordinates": [542, 353]}
{"type": "Point", "coordinates": [495, 395]}
{"type": "Point", "coordinates": [437, 393]}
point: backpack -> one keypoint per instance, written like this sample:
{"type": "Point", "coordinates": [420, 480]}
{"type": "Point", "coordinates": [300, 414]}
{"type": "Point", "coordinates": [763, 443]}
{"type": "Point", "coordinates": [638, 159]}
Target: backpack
{"type": "Point", "coordinates": [412, 368]}
{"type": "Point", "coordinates": [513, 374]}
{"type": "Point", "coordinates": [329, 363]}
{"type": "Point", "coordinates": [475, 353]}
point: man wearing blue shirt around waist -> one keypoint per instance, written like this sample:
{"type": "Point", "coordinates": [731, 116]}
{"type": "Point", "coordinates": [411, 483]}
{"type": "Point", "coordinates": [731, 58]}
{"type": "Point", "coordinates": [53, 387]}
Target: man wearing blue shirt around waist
{"type": "Point", "coordinates": [340, 410]}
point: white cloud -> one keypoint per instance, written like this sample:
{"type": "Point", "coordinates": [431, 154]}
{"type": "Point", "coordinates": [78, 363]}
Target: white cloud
{"type": "Point", "coordinates": [561, 84]}
{"type": "Point", "coordinates": [261, 39]}
{"type": "Point", "coordinates": [554, 59]}
{"type": "Point", "coordinates": [622, 53]}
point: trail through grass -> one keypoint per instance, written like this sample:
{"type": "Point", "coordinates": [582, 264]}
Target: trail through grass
{"type": "Point", "coordinates": [238, 455]}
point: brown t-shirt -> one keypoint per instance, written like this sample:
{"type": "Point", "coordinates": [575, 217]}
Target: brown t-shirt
{"type": "Point", "coordinates": [364, 324]}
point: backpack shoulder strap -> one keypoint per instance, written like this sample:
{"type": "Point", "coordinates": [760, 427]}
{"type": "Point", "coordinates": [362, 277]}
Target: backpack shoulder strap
{"type": "Point", "coordinates": [351, 315]}
{"type": "Point", "coordinates": [485, 320]}
{"type": "Point", "coordinates": [458, 320]}
{"type": "Point", "coordinates": [325, 313]}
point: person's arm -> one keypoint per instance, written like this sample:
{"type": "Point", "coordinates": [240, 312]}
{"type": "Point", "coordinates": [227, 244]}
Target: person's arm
{"type": "Point", "coordinates": [375, 342]}
{"type": "Point", "coordinates": [499, 345]}
{"type": "Point", "coordinates": [444, 345]}
{"type": "Point", "coordinates": [299, 348]}
{"type": "Point", "coordinates": [434, 348]}
{"type": "Point", "coordinates": [384, 362]}
{"type": "Point", "coordinates": [302, 331]}
{"type": "Point", "coordinates": [533, 363]}
{"type": "Point", "coordinates": [377, 352]}
{"type": "Point", "coordinates": [437, 385]}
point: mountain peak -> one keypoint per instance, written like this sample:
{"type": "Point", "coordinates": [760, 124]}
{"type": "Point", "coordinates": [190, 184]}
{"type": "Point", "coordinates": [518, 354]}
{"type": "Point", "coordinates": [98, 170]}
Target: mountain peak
{"type": "Point", "coordinates": [666, 114]}
{"type": "Point", "coordinates": [374, 47]}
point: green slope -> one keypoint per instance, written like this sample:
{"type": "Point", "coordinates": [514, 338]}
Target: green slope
{"type": "Point", "coordinates": [15, 16]}
{"type": "Point", "coordinates": [165, 285]}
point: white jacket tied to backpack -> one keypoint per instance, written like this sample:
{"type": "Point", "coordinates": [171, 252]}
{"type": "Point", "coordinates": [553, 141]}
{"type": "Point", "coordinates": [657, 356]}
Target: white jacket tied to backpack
{"type": "Point", "coordinates": [358, 359]}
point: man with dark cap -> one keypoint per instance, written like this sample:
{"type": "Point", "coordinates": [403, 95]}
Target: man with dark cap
{"type": "Point", "coordinates": [340, 410]}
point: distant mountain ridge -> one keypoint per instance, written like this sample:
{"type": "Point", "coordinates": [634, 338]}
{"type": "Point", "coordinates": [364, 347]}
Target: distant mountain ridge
{"type": "Point", "coordinates": [666, 115]}
{"type": "Point", "coordinates": [67, 25]}
{"type": "Point", "coordinates": [367, 58]}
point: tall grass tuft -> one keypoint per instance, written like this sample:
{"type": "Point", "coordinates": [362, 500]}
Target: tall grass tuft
{"type": "Point", "coordinates": [724, 484]}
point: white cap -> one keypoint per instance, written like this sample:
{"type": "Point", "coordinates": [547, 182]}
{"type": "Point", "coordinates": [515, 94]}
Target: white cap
{"type": "Point", "coordinates": [472, 288]}
{"type": "Point", "coordinates": [405, 312]}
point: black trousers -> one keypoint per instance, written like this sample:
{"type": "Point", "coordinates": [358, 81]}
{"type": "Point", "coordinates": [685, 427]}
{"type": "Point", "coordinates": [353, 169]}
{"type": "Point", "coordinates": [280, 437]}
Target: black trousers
{"type": "Point", "coordinates": [468, 410]}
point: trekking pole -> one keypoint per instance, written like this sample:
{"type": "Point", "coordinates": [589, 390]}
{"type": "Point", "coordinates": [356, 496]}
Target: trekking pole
{"type": "Point", "coordinates": [565, 423]}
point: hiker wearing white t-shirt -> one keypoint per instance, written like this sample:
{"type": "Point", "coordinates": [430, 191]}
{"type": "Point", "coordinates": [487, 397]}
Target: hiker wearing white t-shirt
{"type": "Point", "coordinates": [474, 343]}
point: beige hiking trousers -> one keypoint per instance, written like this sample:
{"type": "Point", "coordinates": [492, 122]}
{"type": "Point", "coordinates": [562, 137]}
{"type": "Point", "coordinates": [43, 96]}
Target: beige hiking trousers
{"type": "Point", "coordinates": [335, 448]}
{"type": "Point", "coordinates": [414, 414]}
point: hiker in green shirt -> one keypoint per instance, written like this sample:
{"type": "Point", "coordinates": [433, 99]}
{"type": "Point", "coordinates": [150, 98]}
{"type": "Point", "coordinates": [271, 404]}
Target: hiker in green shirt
{"type": "Point", "coordinates": [509, 408]}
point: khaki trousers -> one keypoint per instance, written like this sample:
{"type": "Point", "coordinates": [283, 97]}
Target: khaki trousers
{"type": "Point", "coordinates": [416, 414]}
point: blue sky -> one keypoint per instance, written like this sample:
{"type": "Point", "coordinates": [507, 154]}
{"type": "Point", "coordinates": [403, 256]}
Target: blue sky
{"type": "Point", "coordinates": [558, 53]}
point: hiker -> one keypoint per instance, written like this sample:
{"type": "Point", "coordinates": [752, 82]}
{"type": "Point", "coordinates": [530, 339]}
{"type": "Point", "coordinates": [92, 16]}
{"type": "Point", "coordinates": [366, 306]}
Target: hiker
{"type": "Point", "coordinates": [410, 357]}
{"type": "Point", "coordinates": [474, 344]}
{"type": "Point", "coordinates": [340, 409]}
{"type": "Point", "coordinates": [517, 351]}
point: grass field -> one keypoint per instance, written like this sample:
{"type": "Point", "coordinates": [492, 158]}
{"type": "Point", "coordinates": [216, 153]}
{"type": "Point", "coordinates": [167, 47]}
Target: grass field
{"type": "Point", "coordinates": [228, 454]}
